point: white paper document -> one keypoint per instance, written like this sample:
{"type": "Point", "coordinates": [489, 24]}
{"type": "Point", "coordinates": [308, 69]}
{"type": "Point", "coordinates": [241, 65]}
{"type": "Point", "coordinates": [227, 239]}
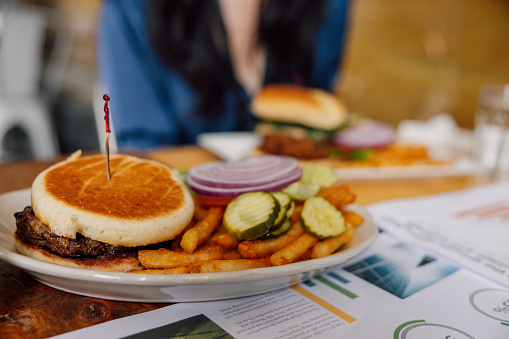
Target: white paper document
{"type": "Point", "coordinates": [391, 290]}
{"type": "Point", "coordinates": [470, 227]}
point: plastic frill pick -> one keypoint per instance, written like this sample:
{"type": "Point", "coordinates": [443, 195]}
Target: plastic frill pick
{"type": "Point", "coordinates": [108, 131]}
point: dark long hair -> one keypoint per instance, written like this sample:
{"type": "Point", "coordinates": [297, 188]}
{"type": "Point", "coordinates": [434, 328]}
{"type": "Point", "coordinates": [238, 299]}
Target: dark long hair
{"type": "Point", "coordinates": [189, 36]}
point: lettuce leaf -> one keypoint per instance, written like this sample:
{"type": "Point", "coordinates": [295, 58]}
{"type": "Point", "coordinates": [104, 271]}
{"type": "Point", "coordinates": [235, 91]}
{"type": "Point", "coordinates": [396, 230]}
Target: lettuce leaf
{"type": "Point", "coordinates": [313, 177]}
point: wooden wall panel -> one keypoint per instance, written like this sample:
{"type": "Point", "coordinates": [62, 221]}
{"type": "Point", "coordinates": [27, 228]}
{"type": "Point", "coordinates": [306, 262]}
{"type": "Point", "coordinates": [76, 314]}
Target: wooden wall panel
{"type": "Point", "coordinates": [414, 59]}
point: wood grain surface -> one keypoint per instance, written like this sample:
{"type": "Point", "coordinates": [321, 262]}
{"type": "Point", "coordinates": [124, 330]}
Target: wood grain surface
{"type": "Point", "coordinates": [29, 309]}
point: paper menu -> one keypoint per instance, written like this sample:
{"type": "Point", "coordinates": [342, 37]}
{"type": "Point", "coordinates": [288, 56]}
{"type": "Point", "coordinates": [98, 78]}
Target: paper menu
{"type": "Point", "coordinates": [392, 290]}
{"type": "Point", "coordinates": [470, 227]}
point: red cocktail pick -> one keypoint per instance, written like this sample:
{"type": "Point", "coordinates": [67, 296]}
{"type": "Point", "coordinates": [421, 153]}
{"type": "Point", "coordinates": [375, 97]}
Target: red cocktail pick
{"type": "Point", "coordinates": [108, 131]}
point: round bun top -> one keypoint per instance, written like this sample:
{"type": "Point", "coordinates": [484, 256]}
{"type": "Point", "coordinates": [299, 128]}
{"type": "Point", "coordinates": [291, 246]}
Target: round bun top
{"type": "Point", "coordinates": [310, 107]}
{"type": "Point", "coordinates": [145, 202]}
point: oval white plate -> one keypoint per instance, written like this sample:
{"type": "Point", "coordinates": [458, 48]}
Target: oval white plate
{"type": "Point", "coordinates": [232, 146]}
{"type": "Point", "coordinates": [168, 288]}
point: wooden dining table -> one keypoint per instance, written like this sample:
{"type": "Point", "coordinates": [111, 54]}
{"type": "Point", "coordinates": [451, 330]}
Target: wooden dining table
{"type": "Point", "coordinates": [29, 309]}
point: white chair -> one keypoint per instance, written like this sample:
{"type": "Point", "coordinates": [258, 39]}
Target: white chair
{"type": "Point", "coordinates": [29, 84]}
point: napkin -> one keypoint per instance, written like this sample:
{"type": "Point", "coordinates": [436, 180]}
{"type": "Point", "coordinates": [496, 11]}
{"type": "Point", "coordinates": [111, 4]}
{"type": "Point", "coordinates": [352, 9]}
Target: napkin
{"type": "Point", "coordinates": [229, 146]}
{"type": "Point", "coordinates": [440, 132]}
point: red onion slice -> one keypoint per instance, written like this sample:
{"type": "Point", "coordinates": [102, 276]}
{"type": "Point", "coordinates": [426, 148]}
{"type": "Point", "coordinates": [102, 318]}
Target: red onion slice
{"type": "Point", "coordinates": [249, 172]}
{"type": "Point", "coordinates": [234, 191]}
{"type": "Point", "coordinates": [259, 173]}
{"type": "Point", "coordinates": [367, 134]}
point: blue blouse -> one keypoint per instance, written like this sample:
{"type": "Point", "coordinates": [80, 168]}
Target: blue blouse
{"type": "Point", "coordinates": [151, 104]}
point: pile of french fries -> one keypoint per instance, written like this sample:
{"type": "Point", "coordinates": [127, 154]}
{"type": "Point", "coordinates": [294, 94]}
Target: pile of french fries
{"type": "Point", "coordinates": [205, 246]}
{"type": "Point", "coordinates": [396, 155]}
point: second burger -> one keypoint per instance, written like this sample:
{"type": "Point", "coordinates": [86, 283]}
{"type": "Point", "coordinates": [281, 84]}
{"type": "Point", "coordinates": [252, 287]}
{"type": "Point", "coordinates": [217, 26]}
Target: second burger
{"type": "Point", "coordinates": [297, 121]}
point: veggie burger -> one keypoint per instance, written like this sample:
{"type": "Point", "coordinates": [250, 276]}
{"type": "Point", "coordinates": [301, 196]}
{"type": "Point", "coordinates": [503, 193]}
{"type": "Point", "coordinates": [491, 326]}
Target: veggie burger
{"type": "Point", "coordinates": [297, 121]}
{"type": "Point", "coordinates": [79, 218]}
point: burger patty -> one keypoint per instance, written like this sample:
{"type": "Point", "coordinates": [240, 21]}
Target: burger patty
{"type": "Point", "coordinates": [286, 145]}
{"type": "Point", "coordinates": [33, 231]}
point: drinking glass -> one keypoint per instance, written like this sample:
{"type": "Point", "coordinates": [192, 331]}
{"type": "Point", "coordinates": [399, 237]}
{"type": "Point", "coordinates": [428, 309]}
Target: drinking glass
{"type": "Point", "coordinates": [491, 133]}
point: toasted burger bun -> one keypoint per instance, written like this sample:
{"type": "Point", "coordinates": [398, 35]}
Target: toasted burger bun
{"type": "Point", "coordinates": [310, 107]}
{"type": "Point", "coordinates": [144, 202]}
{"type": "Point", "coordinates": [123, 262]}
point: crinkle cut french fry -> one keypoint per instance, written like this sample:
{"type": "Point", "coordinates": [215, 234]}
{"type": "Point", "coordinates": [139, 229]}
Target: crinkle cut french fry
{"type": "Point", "coordinates": [200, 211]}
{"type": "Point", "coordinates": [164, 258]}
{"type": "Point", "coordinates": [294, 250]}
{"type": "Point", "coordinates": [338, 195]}
{"type": "Point", "coordinates": [328, 246]}
{"type": "Point", "coordinates": [251, 249]}
{"type": "Point", "coordinates": [229, 255]}
{"type": "Point", "coordinates": [175, 243]}
{"type": "Point", "coordinates": [229, 265]}
{"type": "Point", "coordinates": [296, 213]}
{"type": "Point", "coordinates": [197, 234]}
{"type": "Point", "coordinates": [305, 256]}
{"type": "Point", "coordinates": [176, 270]}
{"type": "Point", "coordinates": [224, 240]}
{"type": "Point", "coordinates": [352, 218]}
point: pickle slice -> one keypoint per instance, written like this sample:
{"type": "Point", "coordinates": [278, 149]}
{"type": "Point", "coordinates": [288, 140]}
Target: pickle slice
{"type": "Point", "coordinates": [251, 215]}
{"type": "Point", "coordinates": [284, 201]}
{"type": "Point", "coordinates": [287, 223]}
{"type": "Point", "coordinates": [321, 219]}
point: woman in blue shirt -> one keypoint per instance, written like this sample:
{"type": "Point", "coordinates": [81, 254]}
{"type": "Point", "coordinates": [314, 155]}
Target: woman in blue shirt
{"type": "Point", "coordinates": [178, 68]}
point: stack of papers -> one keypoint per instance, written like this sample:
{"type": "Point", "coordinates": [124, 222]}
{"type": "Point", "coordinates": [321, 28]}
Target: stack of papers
{"type": "Point", "coordinates": [469, 226]}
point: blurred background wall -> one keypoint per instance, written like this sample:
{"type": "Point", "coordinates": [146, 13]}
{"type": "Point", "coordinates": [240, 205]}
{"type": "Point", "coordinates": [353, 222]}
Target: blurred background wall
{"type": "Point", "coordinates": [404, 60]}
{"type": "Point", "coordinates": [414, 59]}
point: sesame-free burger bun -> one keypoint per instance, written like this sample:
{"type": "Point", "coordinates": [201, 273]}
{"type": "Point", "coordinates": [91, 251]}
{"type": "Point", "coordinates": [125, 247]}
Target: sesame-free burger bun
{"type": "Point", "coordinates": [145, 202]}
{"type": "Point", "coordinates": [310, 107]}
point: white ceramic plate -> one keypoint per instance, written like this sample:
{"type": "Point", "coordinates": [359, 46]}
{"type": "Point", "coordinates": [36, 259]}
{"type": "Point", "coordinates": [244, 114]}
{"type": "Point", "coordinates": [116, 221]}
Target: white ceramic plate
{"type": "Point", "coordinates": [231, 146]}
{"type": "Point", "coordinates": [167, 288]}
{"type": "Point", "coordinates": [461, 166]}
